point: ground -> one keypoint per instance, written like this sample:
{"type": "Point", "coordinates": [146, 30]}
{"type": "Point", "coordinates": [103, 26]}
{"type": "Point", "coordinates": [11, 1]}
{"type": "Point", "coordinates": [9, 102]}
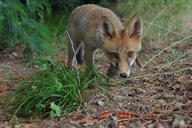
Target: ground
{"type": "Point", "coordinates": [156, 95]}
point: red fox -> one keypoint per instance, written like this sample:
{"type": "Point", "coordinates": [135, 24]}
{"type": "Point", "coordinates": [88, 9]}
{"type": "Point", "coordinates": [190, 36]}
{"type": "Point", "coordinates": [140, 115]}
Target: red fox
{"type": "Point", "coordinates": [91, 27]}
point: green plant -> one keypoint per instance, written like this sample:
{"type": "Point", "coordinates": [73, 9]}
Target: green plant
{"type": "Point", "coordinates": [38, 9]}
{"type": "Point", "coordinates": [128, 106]}
{"type": "Point", "coordinates": [53, 91]}
{"type": "Point", "coordinates": [18, 24]}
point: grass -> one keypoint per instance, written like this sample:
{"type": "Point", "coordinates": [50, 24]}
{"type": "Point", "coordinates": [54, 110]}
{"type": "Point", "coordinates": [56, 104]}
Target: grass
{"type": "Point", "coordinates": [177, 42]}
{"type": "Point", "coordinates": [51, 92]}
{"type": "Point", "coordinates": [162, 19]}
{"type": "Point", "coordinates": [58, 24]}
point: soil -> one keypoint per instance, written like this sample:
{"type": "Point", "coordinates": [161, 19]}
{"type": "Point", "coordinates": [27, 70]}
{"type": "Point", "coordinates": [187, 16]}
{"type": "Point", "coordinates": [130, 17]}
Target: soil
{"type": "Point", "coordinates": [160, 97]}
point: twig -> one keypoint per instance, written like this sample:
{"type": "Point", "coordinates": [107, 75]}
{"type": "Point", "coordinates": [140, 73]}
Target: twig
{"type": "Point", "coordinates": [164, 73]}
{"type": "Point", "coordinates": [169, 63]}
{"type": "Point", "coordinates": [71, 41]}
{"type": "Point", "coordinates": [152, 75]}
{"type": "Point", "coordinates": [149, 58]}
{"type": "Point", "coordinates": [76, 64]}
{"type": "Point", "coordinates": [177, 42]}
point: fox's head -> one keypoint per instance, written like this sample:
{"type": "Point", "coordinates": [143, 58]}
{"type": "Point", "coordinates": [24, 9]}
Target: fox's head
{"type": "Point", "coordinates": [122, 46]}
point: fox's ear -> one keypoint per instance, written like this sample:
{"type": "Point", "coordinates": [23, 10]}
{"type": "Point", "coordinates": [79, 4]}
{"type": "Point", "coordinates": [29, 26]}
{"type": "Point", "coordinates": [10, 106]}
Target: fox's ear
{"type": "Point", "coordinates": [107, 28]}
{"type": "Point", "coordinates": [135, 27]}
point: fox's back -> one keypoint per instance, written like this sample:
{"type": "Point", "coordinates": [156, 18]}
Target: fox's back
{"type": "Point", "coordinates": [84, 21]}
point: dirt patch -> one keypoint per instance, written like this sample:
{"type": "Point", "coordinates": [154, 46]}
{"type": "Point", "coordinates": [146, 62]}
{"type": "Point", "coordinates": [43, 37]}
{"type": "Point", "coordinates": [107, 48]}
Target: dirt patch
{"type": "Point", "coordinates": [160, 96]}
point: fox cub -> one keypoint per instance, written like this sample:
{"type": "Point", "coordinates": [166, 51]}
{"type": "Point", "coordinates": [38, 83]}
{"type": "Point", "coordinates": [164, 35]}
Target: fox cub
{"type": "Point", "coordinates": [91, 27]}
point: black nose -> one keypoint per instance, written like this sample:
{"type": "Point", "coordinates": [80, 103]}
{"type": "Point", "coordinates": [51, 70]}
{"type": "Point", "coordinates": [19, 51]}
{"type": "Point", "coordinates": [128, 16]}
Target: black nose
{"type": "Point", "coordinates": [123, 75]}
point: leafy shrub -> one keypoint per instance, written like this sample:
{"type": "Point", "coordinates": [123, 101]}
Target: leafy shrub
{"type": "Point", "coordinates": [18, 24]}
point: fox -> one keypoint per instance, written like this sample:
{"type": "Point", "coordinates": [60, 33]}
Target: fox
{"type": "Point", "coordinates": [91, 27]}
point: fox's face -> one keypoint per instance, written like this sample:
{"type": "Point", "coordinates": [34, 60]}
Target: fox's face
{"type": "Point", "coordinates": [123, 46]}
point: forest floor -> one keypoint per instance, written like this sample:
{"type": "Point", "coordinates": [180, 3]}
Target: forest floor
{"type": "Point", "coordinates": [160, 96]}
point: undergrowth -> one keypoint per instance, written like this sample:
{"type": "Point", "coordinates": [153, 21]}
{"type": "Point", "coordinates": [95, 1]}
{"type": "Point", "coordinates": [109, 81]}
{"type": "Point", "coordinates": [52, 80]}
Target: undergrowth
{"type": "Point", "coordinates": [53, 91]}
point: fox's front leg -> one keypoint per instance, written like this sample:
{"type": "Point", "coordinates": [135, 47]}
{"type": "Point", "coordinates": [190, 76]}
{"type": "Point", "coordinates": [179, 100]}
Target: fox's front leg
{"type": "Point", "coordinates": [88, 56]}
{"type": "Point", "coordinates": [112, 71]}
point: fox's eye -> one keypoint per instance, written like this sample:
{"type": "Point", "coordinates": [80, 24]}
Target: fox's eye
{"type": "Point", "coordinates": [114, 55]}
{"type": "Point", "coordinates": [130, 54]}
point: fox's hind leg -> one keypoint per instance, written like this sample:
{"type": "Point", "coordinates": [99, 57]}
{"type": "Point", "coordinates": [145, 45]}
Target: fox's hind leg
{"type": "Point", "coordinates": [80, 54]}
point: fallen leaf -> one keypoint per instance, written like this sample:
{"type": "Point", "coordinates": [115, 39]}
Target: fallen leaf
{"type": "Point", "coordinates": [186, 105]}
{"type": "Point", "coordinates": [180, 79]}
{"type": "Point", "coordinates": [179, 86]}
{"type": "Point", "coordinates": [164, 117]}
{"type": "Point", "coordinates": [189, 96]}
{"type": "Point", "coordinates": [104, 114]}
{"type": "Point", "coordinates": [127, 114]}
{"type": "Point", "coordinates": [87, 120]}
{"type": "Point", "coordinates": [150, 115]}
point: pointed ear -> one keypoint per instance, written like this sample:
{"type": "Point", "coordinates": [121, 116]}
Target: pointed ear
{"type": "Point", "coordinates": [135, 27]}
{"type": "Point", "coordinates": [107, 28]}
